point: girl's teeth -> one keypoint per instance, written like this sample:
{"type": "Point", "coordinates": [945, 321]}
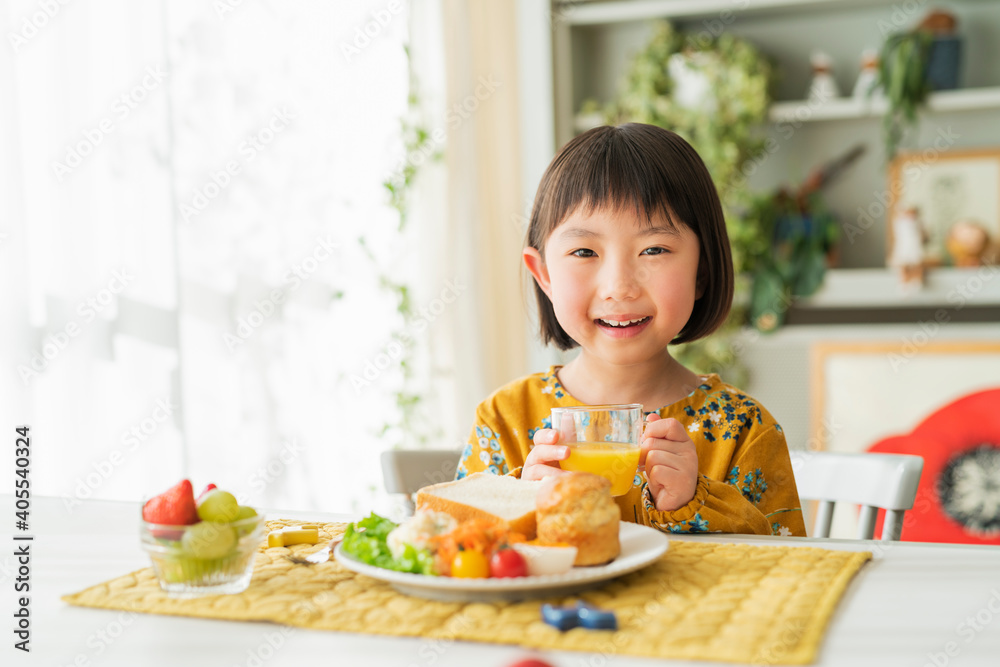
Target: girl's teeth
{"type": "Point", "coordinates": [623, 323]}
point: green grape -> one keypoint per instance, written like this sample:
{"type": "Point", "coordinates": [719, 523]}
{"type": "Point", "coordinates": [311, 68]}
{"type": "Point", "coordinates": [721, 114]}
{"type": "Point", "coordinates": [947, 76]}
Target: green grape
{"type": "Point", "coordinates": [208, 539]}
{"type": "Point", "coordinates": [218, 506]}
{"type": "Point", "coordinates": [182, 569]}
{"type": "Point", "coordinates": [246, 512]}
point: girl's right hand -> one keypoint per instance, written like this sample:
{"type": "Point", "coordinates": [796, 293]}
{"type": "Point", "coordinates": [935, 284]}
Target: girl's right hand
{"type": "Point", "coordinates": [543, 459]}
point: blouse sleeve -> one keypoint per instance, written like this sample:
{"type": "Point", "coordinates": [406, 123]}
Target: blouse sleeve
{"type": "Point", "coordinates": [758, 495]}
{"type": "Point", "coordinates": [490, 448]}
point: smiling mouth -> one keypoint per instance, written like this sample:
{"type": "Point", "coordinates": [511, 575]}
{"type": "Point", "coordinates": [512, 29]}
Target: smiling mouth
{"type": "Point", "coordinates": [621, 324]}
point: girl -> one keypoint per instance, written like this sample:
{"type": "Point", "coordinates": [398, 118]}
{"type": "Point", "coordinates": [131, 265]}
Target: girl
{"type": "Point", "coordinates": [629, 252]}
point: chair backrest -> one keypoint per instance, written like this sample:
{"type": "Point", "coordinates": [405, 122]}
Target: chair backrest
{"type": "Point", "coordinates": [886, 481]}
{"type": "Point", "coordinates": [405, 471]}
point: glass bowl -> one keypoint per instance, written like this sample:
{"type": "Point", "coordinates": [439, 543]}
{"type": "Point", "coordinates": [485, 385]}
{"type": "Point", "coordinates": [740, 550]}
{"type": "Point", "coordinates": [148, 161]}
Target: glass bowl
{"type": "Point", "coordinates": [204, 558]}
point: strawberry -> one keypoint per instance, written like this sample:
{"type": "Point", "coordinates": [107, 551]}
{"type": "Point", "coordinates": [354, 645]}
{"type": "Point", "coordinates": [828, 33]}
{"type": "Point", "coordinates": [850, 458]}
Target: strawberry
{"type": "Point", "coordinates": [174, 507]}
{"type": "Point", "coordinates": [207, 489]}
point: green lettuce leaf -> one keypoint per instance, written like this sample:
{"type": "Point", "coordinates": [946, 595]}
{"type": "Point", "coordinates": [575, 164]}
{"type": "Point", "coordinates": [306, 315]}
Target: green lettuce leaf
{"type": "Point", "coordinates": [366, 541]}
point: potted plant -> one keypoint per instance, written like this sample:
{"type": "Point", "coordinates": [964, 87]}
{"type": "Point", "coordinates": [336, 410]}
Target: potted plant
{"type": "Point", "coordinates": [913, 63]}
{"type": "Point", "coordinates": [801, 235]}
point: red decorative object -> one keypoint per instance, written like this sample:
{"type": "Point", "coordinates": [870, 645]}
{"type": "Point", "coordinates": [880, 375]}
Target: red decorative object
{"type": "Point", "coordinates": [958, 499]}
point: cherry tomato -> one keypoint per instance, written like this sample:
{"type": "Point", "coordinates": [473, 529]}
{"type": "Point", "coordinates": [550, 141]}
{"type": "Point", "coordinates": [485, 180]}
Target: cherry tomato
{"type": "Point", "coordinates": [508, 563]}
{"type": "Point", "coordinates": [470, 564]}
{"type": "Point", "coordinates": [530, 663]}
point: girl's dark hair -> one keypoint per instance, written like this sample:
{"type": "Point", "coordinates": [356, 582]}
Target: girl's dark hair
{"type": "Point", "coordinates": [647, 169]}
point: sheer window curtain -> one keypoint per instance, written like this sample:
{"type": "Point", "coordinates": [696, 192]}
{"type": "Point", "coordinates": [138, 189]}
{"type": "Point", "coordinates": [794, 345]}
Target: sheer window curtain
{"type": "Point", "coordinates": [185, 191]}
{"type": "Point", "coordinates": [486, 205]}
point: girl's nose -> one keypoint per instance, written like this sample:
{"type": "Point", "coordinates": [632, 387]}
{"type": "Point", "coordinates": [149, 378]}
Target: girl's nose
{"type": "Point", "coordinates": [620, 282]}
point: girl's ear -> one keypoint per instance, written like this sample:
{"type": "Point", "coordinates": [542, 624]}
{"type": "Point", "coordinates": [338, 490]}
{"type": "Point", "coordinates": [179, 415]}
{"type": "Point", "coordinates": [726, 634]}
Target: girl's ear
{"type": "Point", "coordinates": [536, 265]}
{"type": "Point", "coordinates": [699, 284]}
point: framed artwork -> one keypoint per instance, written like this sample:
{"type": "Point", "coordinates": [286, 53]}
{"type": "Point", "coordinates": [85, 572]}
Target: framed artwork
{"type": "Point", "coordinates": [939, 400]}
{"type": "Point", "coordinates": [944, 188]}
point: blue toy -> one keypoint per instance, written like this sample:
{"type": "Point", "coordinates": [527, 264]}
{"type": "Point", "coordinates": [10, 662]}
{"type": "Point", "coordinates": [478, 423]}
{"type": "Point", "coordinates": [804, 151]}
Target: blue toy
{"type": "Point", "coordinates": [581, 615]}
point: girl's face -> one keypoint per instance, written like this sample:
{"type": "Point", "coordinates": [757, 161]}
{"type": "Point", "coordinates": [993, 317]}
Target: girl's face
{"type": "Point", "coordinates": [620, 288]}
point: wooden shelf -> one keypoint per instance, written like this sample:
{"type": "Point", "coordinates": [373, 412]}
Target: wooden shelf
{"type": "Point", "coordinates": [592, 13]}
{"type": "Point", "coordinates": [880, 288]}
{"type": "Point", "coordinates": [845, 108]}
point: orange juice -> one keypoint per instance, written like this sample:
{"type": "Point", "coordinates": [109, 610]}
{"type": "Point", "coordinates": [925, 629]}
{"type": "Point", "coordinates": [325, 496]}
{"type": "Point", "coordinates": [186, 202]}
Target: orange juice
{"type": "Point", "coordinates": [615, 461]}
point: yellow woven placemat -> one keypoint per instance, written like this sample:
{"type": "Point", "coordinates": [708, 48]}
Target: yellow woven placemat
{"type": "Point", "coordinates": [706, 601]}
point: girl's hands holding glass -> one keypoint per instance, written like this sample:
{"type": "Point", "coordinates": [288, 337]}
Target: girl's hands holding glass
{"type": "Point", "coordinates": [543, 459]}
{"type": "Point", "coordinates": [671, 463]}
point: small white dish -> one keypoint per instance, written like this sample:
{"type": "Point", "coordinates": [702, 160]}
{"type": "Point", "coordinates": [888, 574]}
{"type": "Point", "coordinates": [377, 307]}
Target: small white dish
{"type": "Point", "coordinates": [545, 560]}
{"type": "Point", "coordinates": [641, 545]}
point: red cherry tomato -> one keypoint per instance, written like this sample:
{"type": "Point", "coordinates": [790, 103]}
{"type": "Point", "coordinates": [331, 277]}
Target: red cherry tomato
{"type": "Point", "coordinates": [530, 663]}
{"type": "Point", "coordinates": [508, 563]}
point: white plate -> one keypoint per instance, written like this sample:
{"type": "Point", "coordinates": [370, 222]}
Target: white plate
{"type": "Point", "coordinates": [641, 545]}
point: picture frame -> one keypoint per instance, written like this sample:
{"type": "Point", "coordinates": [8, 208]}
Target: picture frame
{"type": "Point", "coordinates": [863, 391]}
{"type": "Point", "coordinates": [946, 187]}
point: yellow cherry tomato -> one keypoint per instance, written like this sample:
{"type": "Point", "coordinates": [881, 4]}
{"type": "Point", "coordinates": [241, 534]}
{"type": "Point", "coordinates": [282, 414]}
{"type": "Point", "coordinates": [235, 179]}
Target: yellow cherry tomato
{"type": "Point", "coordinates": [470, 564]}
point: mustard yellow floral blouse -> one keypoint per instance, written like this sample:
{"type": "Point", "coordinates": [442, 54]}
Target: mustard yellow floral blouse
{"type": "Point", "coordinates": [745, 484]}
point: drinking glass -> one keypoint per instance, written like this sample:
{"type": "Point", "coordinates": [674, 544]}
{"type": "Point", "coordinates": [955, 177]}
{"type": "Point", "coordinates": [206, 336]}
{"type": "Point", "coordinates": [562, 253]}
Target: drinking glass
{"type": "Point", "coordinates": [602, 439]}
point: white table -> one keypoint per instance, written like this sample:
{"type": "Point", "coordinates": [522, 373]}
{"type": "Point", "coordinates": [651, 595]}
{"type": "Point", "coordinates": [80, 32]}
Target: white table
{"type": "Point", "coordinates": [910, 602]}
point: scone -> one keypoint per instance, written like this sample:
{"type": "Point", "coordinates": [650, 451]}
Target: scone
{"type": "Point", "coordinates": [577, 509]}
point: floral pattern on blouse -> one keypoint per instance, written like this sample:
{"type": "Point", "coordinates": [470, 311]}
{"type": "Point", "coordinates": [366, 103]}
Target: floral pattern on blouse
{"type": "Point", "coordinates": [753, 486]}
{"type": "Point", "coordinates": [487, 449]}
{"type": "Point", "coordinates": [724, 415]}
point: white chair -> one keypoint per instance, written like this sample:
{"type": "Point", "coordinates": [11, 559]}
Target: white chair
{"type": "Point", "coordinates": [886, 481]}
{"type": "Point", "coordinates": [405, 471]}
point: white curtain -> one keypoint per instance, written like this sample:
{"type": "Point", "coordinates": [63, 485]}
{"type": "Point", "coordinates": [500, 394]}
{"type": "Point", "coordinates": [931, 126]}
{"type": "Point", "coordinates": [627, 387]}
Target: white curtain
{"type": "Point", "coordinates": [196, 239]}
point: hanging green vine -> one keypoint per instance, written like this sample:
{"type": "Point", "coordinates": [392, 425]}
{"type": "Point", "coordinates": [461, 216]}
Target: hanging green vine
{"type": "Point", "coordinates": [409, 428]}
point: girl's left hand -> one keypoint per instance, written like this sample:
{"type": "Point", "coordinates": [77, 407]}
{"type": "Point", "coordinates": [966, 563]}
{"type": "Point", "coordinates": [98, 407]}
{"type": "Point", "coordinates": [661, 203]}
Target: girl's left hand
{"type": "Point", "coordinates": [671, 462]}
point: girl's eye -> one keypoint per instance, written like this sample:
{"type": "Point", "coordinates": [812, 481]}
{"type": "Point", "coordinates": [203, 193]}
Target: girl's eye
{"type": "Point", "coordinates": [654, 251]}
{"type": "Point", "coordinates": [583, 252]}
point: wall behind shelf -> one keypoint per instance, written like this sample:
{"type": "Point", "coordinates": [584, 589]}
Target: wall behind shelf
{"type": "Point", "coordinates": [601, 54]}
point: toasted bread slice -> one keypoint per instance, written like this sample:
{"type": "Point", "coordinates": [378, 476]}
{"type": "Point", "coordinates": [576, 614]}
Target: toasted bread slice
{"type": "Point", "coordinates": [498, 498]}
